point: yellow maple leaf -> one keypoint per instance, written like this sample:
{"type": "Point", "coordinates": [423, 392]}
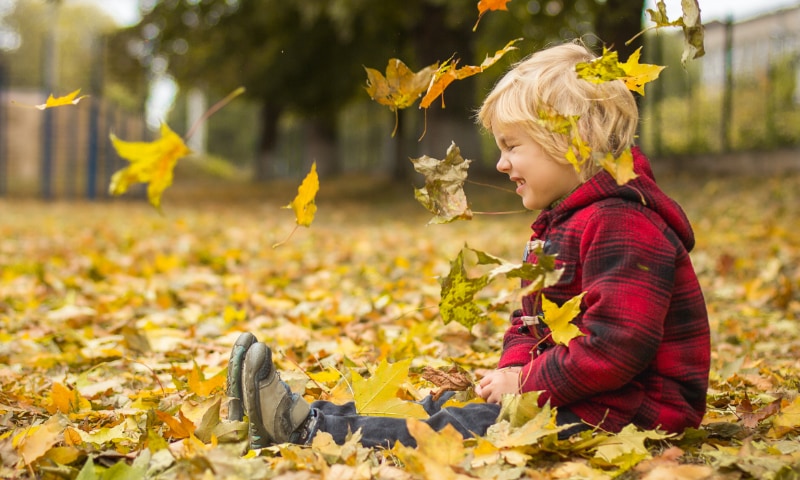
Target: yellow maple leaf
{"type": "Point", "coordinates": [787, 420]}
{"type": "Point", "coordinates": [621, 168]}
{"type": "Point", "coordinates": [69, 99]}
{"type": "Point", "coordinates": [445, 446]}
{"type": "Point", "coordinates": [303, 204]}
{"type": "Point", "coordinates": [150, 162]}
{"type": "Point", "coordinates": [35, 441]}
{"type": "Point", "coordinates": [559, 318]}
{"type": "Point", "coordinates": [607, 67]}
{"type": "Point", "coordinates": [401, 86]}
{"type": "Point", "coordinates": [377, 395]}
{"type": "Point", "coordinates": [489, 5]}
{"type": "Point", "coordinates": [638, 74]}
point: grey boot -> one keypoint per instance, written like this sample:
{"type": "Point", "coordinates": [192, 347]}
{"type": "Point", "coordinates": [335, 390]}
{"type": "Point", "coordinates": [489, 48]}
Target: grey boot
{"type": "Point", "coordinates": [235, 364]}
{"type": "Point", "coordinates": [276, 414]}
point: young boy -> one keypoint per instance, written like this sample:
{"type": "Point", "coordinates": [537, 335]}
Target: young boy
{"type": "Point", "coordinates": [644, 357]}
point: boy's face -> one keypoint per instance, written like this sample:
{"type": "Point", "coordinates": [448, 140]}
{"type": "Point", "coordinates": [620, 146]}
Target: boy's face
{"type": "Point", "coordinates": [540, 180]}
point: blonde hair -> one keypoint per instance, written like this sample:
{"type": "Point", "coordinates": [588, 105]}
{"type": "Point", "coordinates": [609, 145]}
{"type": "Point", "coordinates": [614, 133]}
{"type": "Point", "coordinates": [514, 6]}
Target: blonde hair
{"type": "Point", "coordinates": [546, 83]}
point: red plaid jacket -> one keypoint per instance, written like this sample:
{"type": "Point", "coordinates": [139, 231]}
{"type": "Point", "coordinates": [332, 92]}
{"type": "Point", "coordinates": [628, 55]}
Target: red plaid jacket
{"type": "Point", "coordinates": [645, 355]}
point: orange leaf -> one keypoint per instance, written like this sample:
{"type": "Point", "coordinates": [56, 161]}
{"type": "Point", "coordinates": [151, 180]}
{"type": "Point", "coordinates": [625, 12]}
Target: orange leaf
{"type": "Point", "coordinates": [202, 387]}
{"type": "Point", "coordinates": [64, 400]}
{"type": "Point", "coordinates": [489, 5]}
{"type": "Point", "coordinates": [37, 440]}
{"type": "Point", "coordinates": [448, 73]}
{"type": "Point", "coordinates": [180, 427]}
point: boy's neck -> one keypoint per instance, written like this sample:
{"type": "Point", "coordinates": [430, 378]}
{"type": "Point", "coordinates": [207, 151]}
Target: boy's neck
{"type": "Point", "coordinates": [558, 201]}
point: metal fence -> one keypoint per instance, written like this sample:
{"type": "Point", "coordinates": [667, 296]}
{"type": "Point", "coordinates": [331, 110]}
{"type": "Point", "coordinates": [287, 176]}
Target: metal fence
{"type": "Point", "coordinates": [742, 95]}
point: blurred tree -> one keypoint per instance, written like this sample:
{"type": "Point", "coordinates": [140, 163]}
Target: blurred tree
{"type": "Point", "coordinates": [75, 27]}
{"type": "Point", "coordinates": [307, 57]}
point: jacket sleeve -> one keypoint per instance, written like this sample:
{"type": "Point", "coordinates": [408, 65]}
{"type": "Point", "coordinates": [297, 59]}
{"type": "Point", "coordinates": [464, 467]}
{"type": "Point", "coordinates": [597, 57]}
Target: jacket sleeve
{"type": "Point", "coordinates": [517, 346]}
{"type": "Point", "coordinates": [628, 268]}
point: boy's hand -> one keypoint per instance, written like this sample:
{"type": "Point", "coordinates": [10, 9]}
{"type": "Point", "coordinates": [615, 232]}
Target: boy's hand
{"type": "Point", "coordinates": [497, 383]}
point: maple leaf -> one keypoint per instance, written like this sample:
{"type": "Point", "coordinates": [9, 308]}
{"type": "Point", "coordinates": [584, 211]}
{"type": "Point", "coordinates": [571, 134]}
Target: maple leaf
{"type": "Point", "coordinates": [179, 428]}
{"type": "Point", "coordinates": [453, 379]}
{"type": "Point", "coordinates": [628, 441]}
{"type": "Point", "coordinates": [621, 168]}
{"type": "Point", "coordinates": [458, 294]}
{"type": "Point", "coordinates": [689, 21]}
{"type": "Point", "coordinates": [447, 73]}
{"type": "Point", "coordinates": [150, 162]}
{"type": "Point", "coordinates": [377, 395]}
{"type": "Point", "coordinates": [445, 446]}
{"type": "Point", "coordinates": [443, 193]}
{"type": "Point", "coordinates": [578, 151]}
{"type": "Point", "coordinates": [607, 68]}
{"type": "Point", "coordinates": [200, 386]}
{"type": "Point", "coordinates": [35, 441]}
{"type": "Point", "coordinates": [787, 420]}
{"type": "Point", "coordinates": [459, 290]}
{"type": "Point", "coordinates": [559, 318]}
{"type": "Point", "coordinates": [65, 400]}
{"type": "Point", "coordinates": [489, 5]}
{"type": "Point", "coordinates": [303, 204]}
{"type": "Point", "coordinates": [401, 86]}
{"type": "Point", "coordinates": [69, 99]}
{"type": "Point", "coordinates": [638, 74]}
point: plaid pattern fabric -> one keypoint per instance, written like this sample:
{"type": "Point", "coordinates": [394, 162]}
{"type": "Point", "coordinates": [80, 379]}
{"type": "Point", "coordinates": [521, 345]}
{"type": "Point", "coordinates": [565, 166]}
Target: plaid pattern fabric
{"type": "Point", "coordinates": [645, 355]}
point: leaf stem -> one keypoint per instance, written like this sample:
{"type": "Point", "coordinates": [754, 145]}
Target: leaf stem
{"type": "Point", "coordinates": [211, 111]}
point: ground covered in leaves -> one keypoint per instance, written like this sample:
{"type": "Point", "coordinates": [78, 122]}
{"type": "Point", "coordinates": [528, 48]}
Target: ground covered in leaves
{"type": "Point", "coordinates": [116, 323]}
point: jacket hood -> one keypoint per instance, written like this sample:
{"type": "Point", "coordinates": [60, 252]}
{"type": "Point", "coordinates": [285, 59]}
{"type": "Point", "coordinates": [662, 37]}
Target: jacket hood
{"type": "Point", "coordinates": [642, 189]}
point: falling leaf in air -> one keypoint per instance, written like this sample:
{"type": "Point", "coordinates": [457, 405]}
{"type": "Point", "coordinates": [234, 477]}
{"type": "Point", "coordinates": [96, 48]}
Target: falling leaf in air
{"type": "Point", "coordinates": [489, 5]}
{"type": "Point", "coordinates": [303, 204]}
{"type": "Point", "coordinates": [401, 86]}
{"type": "Point", "coordinates": [447, 73]}
{"type": "Point", "coordinates": [690, 22]}
{"type": "Point", "coordinates": [377, 395]}
{"type": "Point", "coordinates": [150, 162]}
{"type": "Point", "coordinates": [559, 318]}
{"type": "Point", "coordinates": [443, 193]}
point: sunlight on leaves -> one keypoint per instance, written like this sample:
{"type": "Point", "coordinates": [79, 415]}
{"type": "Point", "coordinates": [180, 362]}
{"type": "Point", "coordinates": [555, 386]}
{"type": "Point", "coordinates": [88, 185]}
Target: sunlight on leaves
{"type": "Point", "coordinates": [150, 162]}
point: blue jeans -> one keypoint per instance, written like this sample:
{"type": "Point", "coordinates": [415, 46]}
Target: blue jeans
{"type": "Point", "coordinates": [470, 420]}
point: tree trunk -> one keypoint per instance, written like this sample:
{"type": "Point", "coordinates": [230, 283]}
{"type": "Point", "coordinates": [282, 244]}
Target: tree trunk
{"type": "Point", "coordinates": [268, 141]}
{"type": "Point", "coordinates": [322, 147]}
{"type": "Point", "coordinates": [619, 21]}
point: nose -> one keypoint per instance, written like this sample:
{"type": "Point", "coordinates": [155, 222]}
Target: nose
{"type": "Point", "coordinates": [503, 165]}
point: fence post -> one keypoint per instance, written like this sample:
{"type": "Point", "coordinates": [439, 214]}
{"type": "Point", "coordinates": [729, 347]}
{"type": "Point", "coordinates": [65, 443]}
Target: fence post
{"type": "Point", "coordinates": [727, 89]}
{"type": "Point", "coordinates": [3, 128]}
{"type": "Point", "coordinates": [94, 118]}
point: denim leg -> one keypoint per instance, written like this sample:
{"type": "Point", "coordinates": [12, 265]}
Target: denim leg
{"type": "Point", "coordinates": [339, 420]}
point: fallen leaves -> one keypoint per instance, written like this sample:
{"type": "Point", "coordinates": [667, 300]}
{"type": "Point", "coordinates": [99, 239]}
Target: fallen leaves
{"type": "Point", "coordinates": [117, 324]}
